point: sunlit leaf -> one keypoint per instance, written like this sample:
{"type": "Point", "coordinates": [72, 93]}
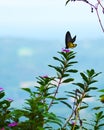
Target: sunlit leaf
{"type": "Point", "coordinates": [102, 90]}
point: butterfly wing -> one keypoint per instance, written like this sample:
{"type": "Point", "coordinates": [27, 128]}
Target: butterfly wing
{"type": "Point", "coordinates": [71, 45]}
{"type": "Point", "coordinates": [74, 38]}
{"type": "Point", "coordinates": [68, 39]}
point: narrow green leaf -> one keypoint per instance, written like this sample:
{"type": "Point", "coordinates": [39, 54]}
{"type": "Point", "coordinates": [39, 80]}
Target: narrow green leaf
{"type": "Point", "coordinates": [80, 85]}
{"type": "Point", "coordinates": [51, 66]}
{"type": "Point", "coordinates": [67, 104]}
{"type": "Point", "coordinates": [73, 62]}
{"type": "Point", "coordinates": [96, 108]}
{"type": "Point", "coordinates": [92, 88]}
{"type": "Point", "coordinates": [27, 89]}
{"type": "Point", "coordinates": [102, 95]}
{"type": "Point", "coordinates": [87, 96]}
{"type": "Point", "coordinates": [85, 103]}
{"type": "Point", "coordinates": [93, 81]}
{"type": "Point", "coordinates": [102, 90]}
{"type": "Point", "coordinates": [82, 107]}
{"type": "Point", "coordinates": [72, 71]}
{"type": "Point", "coordinates": [53, 119]}
{"type": "Point", "coordinates": [84, 77]}
{"type": "Point", "coordinates": [2, 94]}
{"type": "Point", "coordinates": [63, 54]}
{"type": "Point", "coordinates": [97, 74]}
{"type": "Point", "coordinates": [55, 122]}
{"type": "Point", "coordinates": [72, 96]}
{"type": "Point", "coordinates": [61, 99]}
{"type": "Point", "coordinates": [65, 75]}
{"type": "Point", "coordinates": [100, 125]}
{"type": "Point", "coordinates": [68, 80]}
{"type": "Point", "coordinates": [56, 58]}
{"type": "Point", "coordinates": [59, 69]}
{"type": "Point", "coordinates": [90, 72]}
{"type": "Point", "coordinates": [99, 115]}
{"type": "Point", "coordinates": [70, 57]}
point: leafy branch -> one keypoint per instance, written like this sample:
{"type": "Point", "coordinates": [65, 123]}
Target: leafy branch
{"type": "Point", "coordinates": [95, 7]}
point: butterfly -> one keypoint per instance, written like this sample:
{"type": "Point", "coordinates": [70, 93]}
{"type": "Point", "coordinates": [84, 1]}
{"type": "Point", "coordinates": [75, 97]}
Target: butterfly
{"type": "Point", "coordinates": [69, 41]}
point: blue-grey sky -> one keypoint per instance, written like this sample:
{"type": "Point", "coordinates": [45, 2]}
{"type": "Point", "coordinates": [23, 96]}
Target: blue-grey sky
{"type": "Point", "coordinates": [47, 19]}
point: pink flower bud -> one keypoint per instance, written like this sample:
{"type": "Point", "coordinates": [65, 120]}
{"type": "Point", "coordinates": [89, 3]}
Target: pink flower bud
{"type": "Point", "coordinates": [65, 50]}
{"type": "Point", "coordinates": [13, 124]}
{"type": "Point", "coordinates": [1, 89]}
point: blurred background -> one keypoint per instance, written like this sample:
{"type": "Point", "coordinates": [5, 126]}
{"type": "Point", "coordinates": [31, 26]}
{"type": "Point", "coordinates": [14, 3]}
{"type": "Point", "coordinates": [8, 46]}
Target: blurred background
{"type": "Point", "coordinates": [31, 33]}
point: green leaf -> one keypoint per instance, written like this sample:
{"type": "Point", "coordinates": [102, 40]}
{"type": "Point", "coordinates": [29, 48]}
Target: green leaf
{"type": "Point", "coordinates": [63, 54]}
{"type": "Point", "coordinates": [60, 99]}
{"type": "Point", "coordinates": [56, 58]}
{"type": "Point", "coordinates": [99, 115]}
{"type": "Point", "coordinates": [51, 66]}
{"type": "Point", "coordinates": [53, 119]}
{"type": "Point", "coordinates": [84, 77]}
{"type": "Point", "coordinates": [87, 96]}
{"type": "Point", "coordinates": [102, 90]}
{"type": "Point", "coordinates": [92, 88]}
{"type": "Point", "coordinates": [102, 95]}
{"type": "Point", "coordinates": [2, 94]}
{"type": "Point", "coordinates": [96, 108]}
{"type": "Point", "coordinates": [58, 69]}
{"type": "Point", "coordinates": [72, 71]}
{"type": "Point", "coordinates": [97, 74]}
{"type": "Point", "coordinates": [93, 81]}
{"type": "Point", "coordinates": [100, 125]}
{"type": "Point", "coordinates": [27, 89]}
{"type": "Point", "coordinates": [65, 75]}
{"type": "Point", "coordinates": [70, 57]}
{"type": "Point", "coordinates": [69, 92]}
{"type": "Point", "coordinates": [90, 72]}
{"type": "Point", "coordinates": [5, 103]}
{"type": "Point", "coordinates": [80, 85]}
{"type": "Point", "coordinates": [82, 107]}
{"type": "Point", "coordinates": [68, 80]}
{"type": "Point", "coordinates": [73, 62]}
{"type": "Point", "coordinates": [67, 104]}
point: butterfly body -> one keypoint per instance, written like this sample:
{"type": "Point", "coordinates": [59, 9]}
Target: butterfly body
{"type": "Point", "coordinates": [69, 41]}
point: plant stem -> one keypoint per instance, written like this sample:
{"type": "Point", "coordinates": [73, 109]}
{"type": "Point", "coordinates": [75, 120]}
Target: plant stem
{"type": "Point", "coordinates": [55, 93]}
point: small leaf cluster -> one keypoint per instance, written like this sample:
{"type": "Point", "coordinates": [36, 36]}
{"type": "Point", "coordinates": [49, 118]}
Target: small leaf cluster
{"type": "Point", "coordinates": [5, 110]}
